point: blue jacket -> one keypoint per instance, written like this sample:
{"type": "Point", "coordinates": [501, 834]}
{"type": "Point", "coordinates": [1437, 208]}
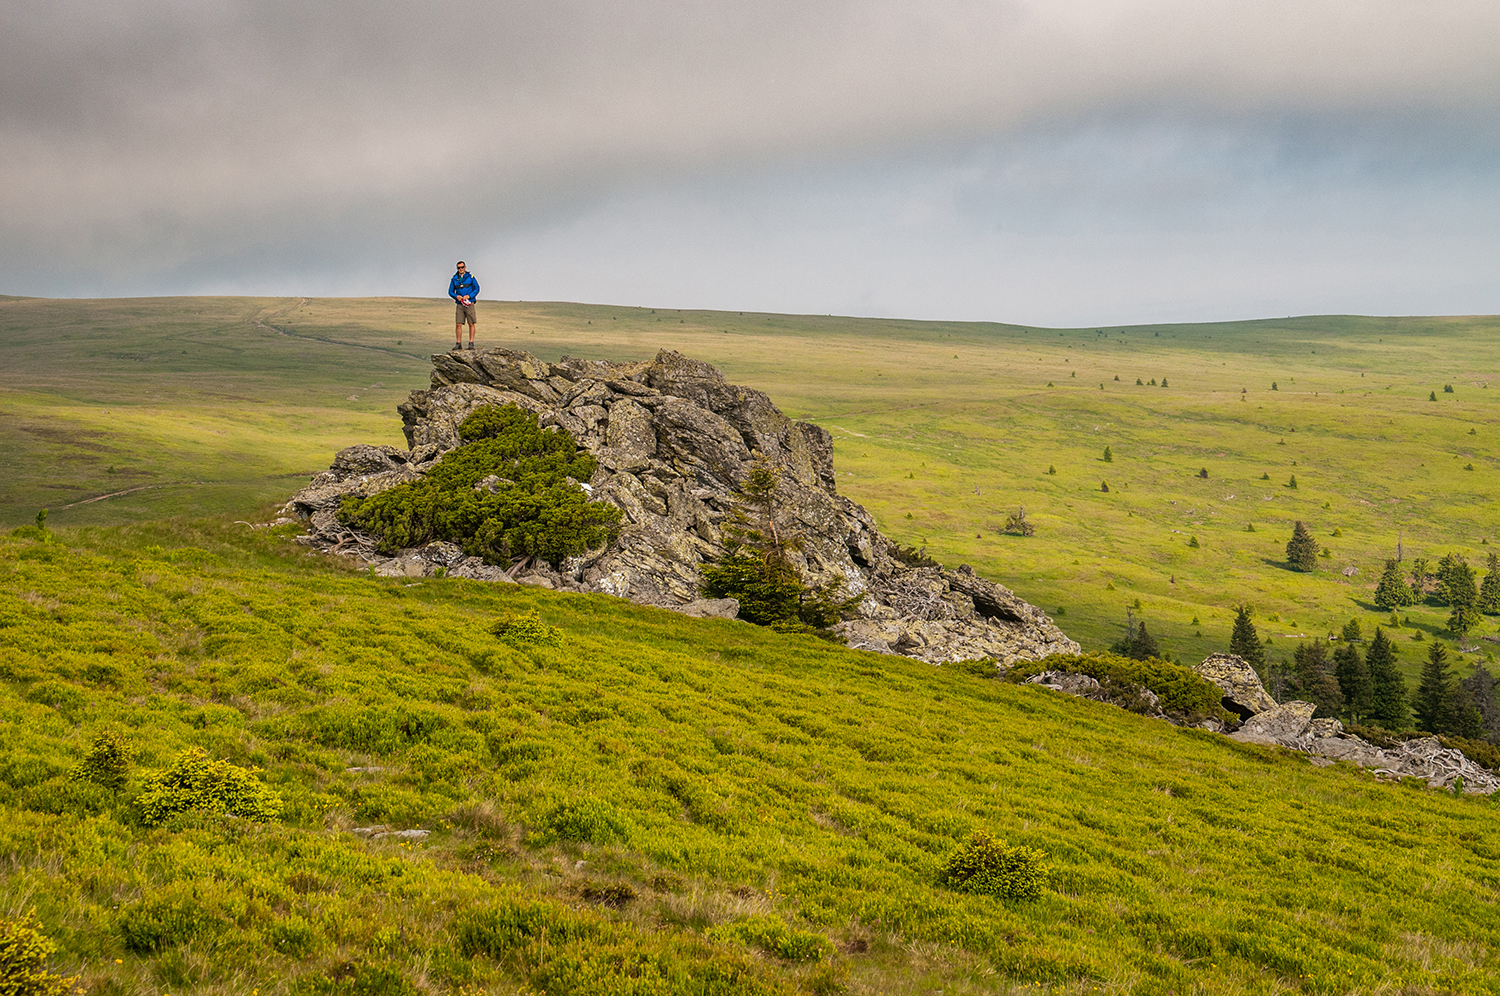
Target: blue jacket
{"type": "Point", "coordinates": [463, 284]}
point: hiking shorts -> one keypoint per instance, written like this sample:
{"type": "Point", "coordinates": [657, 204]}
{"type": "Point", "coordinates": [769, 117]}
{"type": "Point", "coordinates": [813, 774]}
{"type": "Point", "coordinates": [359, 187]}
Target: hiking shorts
{"type": "Point", "coordinates": [465, 314]}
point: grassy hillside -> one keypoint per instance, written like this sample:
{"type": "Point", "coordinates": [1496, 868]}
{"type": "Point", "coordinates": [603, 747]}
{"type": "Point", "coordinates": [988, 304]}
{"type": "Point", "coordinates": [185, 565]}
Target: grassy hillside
{"type": "Point", "coordinates": [652, 804]}
{"type": "Point", "coordinates": [221, 405]}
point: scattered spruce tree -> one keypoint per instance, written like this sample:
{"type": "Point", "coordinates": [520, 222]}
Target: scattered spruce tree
{"type": "Point", "coordinates": [1481, 688]}
{"type": "Point", "coordinates": [1302, 549]}
{"type": "Point", "coordinates": [1245, 641]}
{"type": "Point", "coordinates": [1292, 483]}
{"type": "Point", "coordinates": [1489, 589]}
{"type": "Point", "coordinates": [1463, 618]}
{"type": "Point", "coordinates": [1108, 456]}
{"type": "Point", "coordinates": [1465, 720]}
{"type": "Point", "coordinates": [1433, 703]}
{"type": "Point", "coordinates": [1354, 681]}
{"type": "Point", "coordinates": [1143, 645]}
{"type": "Point", "coordinates": [1393, 592]}
{"type": "Point", "coordinates": [1351, 632]}
{"type": "Point", "coordinates": [757, 567]}
{"type": "Point", "coordinates": [1017, 524]}
{"type": "Point", "coordinates": [1387, 686]}
{"type": "Point", "coordinates": [1455, 581]}
{"type": "Point", "coordinates": [1314, 682]}
{"type": "Point", "coordinates": [1420, 575]}
{"type": "Point", "coordinates": [1104, 486]}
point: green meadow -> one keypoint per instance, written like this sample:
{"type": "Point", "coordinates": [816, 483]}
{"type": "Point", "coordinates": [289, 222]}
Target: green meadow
{"type": "Point", "coordinates": [620, 800]}
{"type": "Point", "coordinates": [222, 406]}
{"type": "Point", "coordinates": [632, 802]}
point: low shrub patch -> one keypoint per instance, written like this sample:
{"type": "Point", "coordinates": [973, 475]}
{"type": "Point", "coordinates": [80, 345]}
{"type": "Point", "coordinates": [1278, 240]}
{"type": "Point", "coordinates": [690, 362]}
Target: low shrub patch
{"type": "Point", "coordinates": [511, 490]}
{"type": "Point", "coordinates": [196, 783]}
{"type": "Point", "coordinates": [988, 867]}
{"type": "Point", "coordinates": [1182, 691]}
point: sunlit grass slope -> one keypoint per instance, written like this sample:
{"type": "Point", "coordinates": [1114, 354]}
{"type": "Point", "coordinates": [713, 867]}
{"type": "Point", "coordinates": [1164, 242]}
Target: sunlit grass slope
{"type": "Point", "coordinates": [657, 804]}
{"type": "Point", "coordinates": [222, 405]}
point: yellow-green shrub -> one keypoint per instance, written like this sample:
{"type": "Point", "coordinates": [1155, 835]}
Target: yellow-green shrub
{"type": "Point", "coordinates": [24, 951]}
{"type": "Point", "coordinates": [196, 783]}
{"type": "Point", "coordinates": [988, 867]}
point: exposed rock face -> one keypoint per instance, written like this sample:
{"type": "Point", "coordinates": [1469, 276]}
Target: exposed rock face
{"type": "Point", "coordinates": [673, 440]}
{"type": "Point", "coordinates": [1243, 692]}
{"type": "Point", "coordinates": [1291, 725]}
{"type": "Point", "coordinates": [1280, 724]}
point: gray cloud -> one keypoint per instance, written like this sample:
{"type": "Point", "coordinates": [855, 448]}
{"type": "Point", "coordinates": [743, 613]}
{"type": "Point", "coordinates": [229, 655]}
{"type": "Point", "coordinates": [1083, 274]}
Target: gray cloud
{"type": "Point", "coordinates": [176, 145]}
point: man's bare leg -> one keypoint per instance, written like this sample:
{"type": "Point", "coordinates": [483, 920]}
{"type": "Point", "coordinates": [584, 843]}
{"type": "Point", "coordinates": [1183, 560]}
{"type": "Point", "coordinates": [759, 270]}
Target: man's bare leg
{"type": "Point", "coordinates": [471, 335]}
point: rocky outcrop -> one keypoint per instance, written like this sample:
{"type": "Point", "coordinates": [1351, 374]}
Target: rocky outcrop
{"type": "Point", "coordinates": [673, 440]}
{"type": "Point", "coordinates": [1134, 698]}
{"type": "Point", "coordinates": [1243, 692]}
{"type": "Point", "coordinates": [1291, 725]}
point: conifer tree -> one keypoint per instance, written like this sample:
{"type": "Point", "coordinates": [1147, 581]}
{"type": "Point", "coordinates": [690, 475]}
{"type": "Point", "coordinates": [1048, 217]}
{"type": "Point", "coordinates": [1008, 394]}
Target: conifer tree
{"type": "Point", "coordinates": [1481, 688]}
{"type": "Point", "coordinates": [1489, 590]}
{"type": "Point", "coordinates": [1419, 578]}
{"type": "Point", "coordinates": [1143, 645]}
{"type": "Point", "coordinates": [1465, 720]}
{"type": "Point", "coordinates": [1245, 641]}
{"type": "Point", "coordinates": [1315, 684]}
{"type": "Point", "coordinates": [1433, 703]}
{"type": "Point", "coordinates": [1354, 681]}
{"type": "Point", "coordinates": [1109, 457]}
{"type": "Point", "coordinates": [1388, 687]}
{"type": "Point", "coordinates": [1455, 581]}
{"type": "Point", "coordinates": [757, 568]}
{"type": "Point", "coordinates": [1351, 632]}
{"type": "Point", "coordinates": [1393, 592]}
{"type": "Point", "coordinates": [1302, 550]}
{"type": "Point", "coordinates": [1464, 618]}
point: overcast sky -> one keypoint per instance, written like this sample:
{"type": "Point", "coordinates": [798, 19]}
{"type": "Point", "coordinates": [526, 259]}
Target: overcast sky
{"type": "Point", "coordinates": [1058, 162]}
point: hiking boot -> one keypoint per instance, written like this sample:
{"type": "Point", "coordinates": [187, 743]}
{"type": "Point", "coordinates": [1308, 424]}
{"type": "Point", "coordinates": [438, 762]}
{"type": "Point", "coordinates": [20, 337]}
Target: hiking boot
{"type": "Point", "coordinates": [457, 348]}
{"type": "Point", "coordinates": [471, 345]}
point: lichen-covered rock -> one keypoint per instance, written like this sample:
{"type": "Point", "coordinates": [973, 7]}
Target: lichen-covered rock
{"type": "Point", "coordinates": [1282, 724]}
{"type": "Point", "coordinates": [673, 440]}
{"type": "Point", "coordinates": [1243, 692]}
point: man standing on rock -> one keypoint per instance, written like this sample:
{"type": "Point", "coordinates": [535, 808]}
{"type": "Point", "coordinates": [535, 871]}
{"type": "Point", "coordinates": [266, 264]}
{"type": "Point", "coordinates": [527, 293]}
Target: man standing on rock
{"type": "Point", "coordinates": [463, 288]}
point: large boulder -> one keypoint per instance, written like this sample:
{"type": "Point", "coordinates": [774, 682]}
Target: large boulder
{"type": "Point", "coordinates": [1283, 724]}
{"type": "Point", "coordinates": [1243, 692]}
{"type": "Point", "coordinates": [673, 441]}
